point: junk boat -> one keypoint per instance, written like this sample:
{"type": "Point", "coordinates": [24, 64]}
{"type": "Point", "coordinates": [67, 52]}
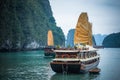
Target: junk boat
{"type": "Point", "coordinates": [83, 57]}
{"type": "Point", "coordinates": [48, 50]}
{"type": "Point", "coordinates": [75, 61]}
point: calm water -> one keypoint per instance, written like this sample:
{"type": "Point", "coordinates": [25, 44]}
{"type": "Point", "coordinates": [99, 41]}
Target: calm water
{"type": "Point", "coordinates": [32, 65]}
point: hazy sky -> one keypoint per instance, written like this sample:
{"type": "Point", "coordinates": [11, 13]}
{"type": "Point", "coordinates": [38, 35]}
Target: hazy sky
{"type": "Point", "coordinates": [103, 14]}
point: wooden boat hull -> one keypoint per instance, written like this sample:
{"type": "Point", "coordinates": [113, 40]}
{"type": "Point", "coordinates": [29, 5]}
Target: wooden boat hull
{"type": "Point", "coordinates": [72, 67]}
{"type": "Point", "coordinates": [48, 51]}
{"type": "Point", "coordinates": [89, 67]}
{"type": "Point", "coordinates": [49, 54]}
{"type": "Point", "coordinates": [65, 67]}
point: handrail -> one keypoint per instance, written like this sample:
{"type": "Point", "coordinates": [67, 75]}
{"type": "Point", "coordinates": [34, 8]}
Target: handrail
{"type": "Point", "coordinates": [91, 58]}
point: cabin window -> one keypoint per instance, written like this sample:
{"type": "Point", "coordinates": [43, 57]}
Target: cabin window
{"type": "Point", "coordinates": [65, 56]}
{"type": "Point", "coordinates": [58, 56]}
{"type": "Point", "coordinates": [88, 55]}
{"type": "Point", "coordinates": [95, 54]}
{"type": "Point", "coordinates": [73, 56]}
{"type": "Point", "coordinates": [84, 55]}
{"type": "Point", "coordinates": [81, 55]}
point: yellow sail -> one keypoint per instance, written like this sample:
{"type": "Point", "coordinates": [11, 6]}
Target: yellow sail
{"type": "Point", "coordinates": [50, 38]}
{"type": "Point", "coordinates": [83, 31]}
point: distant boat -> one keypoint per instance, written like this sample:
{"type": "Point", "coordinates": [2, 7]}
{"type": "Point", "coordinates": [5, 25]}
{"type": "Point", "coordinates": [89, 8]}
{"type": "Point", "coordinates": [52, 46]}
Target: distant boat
{"type": "Point", "coordinates": [50, 40]}
{"type": "Point", "coordinates": [83, 57]}
{"type": "Point", "coordinates": [48, 50]}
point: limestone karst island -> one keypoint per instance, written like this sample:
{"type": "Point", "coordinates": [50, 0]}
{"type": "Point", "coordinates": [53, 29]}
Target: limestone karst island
{"type": "Point", "coordinates": [59, 40]}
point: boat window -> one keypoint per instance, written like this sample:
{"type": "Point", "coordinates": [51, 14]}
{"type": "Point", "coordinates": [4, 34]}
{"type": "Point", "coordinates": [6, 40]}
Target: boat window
{"type": "Point", "coordinates": [81, 55]}
{"type": "Point", "coordinates": [84, 55]}
{"type": "Point", "coordinates": [65, 56]}
{"type": "Point", "coordinates": [58, 56]}
{"type": "Point", "coordinates": [73, 56]}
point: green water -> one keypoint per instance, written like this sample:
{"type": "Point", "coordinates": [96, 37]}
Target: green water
{"type": "Point", "coordinates": [32, 65]}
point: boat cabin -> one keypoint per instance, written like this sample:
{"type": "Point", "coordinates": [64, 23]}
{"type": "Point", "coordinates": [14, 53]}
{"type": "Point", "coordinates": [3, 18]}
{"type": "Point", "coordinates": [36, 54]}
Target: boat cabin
{"type": "Point", "coordinates": [66, 53]}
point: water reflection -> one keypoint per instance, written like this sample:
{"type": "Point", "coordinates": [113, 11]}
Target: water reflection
{"type": "Point", "coordinates": [86, 76]}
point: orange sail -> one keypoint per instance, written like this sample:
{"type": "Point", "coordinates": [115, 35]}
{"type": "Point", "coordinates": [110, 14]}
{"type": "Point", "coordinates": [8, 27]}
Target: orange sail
{"type": "Point", "coordinates": [50, 38]}
{"type": "Point", "coordinates": [83, 31]}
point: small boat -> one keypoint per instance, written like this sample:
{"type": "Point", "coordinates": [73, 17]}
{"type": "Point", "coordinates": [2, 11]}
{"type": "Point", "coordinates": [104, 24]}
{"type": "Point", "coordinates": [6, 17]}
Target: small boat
{"type": "Point", "coordinates": [83, 57]}
{"type": "Point", "coordinates": [48, 50]}
{"type": "Point", "coordinates": [95, 70]}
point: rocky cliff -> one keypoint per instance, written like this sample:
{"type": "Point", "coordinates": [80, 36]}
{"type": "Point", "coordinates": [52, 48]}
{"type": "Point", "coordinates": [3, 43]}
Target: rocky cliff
{"type": "Point", "coordinates": [24, 24]}
{"type": "Point", "coordinates": [112, 41]}
{"type": "Point", "coordinates": [99, 39]}
{"type": "Point", "coordinates": [70, 38]}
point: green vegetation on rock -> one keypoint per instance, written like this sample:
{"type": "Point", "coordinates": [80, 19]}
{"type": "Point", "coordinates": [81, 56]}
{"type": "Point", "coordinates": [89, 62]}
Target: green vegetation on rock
{"type": "Point", "coordinates": [112, 40]}
{"type": "Point", "coordinates": [24, 24]}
